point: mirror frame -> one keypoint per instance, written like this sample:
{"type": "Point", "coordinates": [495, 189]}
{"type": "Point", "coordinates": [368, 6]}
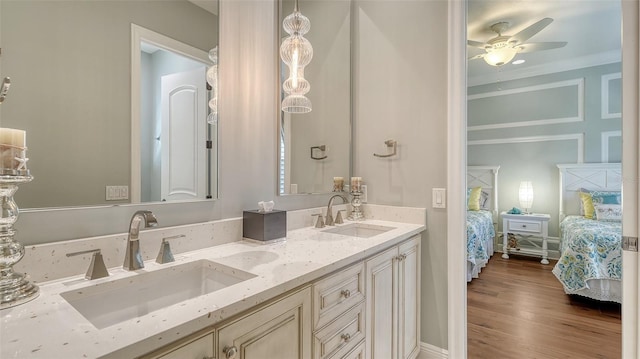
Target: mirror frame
{"type": "Point", "coordinates": [278, 98]}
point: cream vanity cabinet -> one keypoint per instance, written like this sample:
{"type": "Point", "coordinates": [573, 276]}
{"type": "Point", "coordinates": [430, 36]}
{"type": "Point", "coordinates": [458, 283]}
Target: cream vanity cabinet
{"type": "Point", "coordinates": [393, 302]}
{"type": "Point", "coordinates": [281, 330]}
{"type": "Point", "coordinates": [369, 309]}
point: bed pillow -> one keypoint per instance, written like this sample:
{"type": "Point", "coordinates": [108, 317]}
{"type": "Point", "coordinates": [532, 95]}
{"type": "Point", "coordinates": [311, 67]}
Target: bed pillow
{"type": "Point", "coordinates": [473, 202]}
{"type": "Point", "coordinates": [599, 197]}
{"type": "Point", "coordinates": [587, 205]}
{"type": "Point", "coordinates": [608, 212]}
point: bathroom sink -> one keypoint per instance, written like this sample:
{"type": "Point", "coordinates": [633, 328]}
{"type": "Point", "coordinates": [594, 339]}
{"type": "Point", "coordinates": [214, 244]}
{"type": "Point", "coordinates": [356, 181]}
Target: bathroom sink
{"type": "Point", "coordinates": [109, 303]}
{"type": "Point", "coordinates": [360, 230]}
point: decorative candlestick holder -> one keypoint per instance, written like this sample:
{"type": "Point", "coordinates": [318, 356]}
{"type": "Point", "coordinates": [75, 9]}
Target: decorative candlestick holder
{"type": "Point", "coordinates": [15, 289]}
{"type": "Point", "coordinates": [356, 203]}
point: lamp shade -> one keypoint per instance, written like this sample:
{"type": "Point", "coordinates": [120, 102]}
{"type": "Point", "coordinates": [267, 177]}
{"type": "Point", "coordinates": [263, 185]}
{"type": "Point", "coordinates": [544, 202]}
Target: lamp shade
{"type": "Point", "coordinates": [296, 52]}
{"type": "Point", "coordinates": [500, 56]}
{"type": "Point", "coordinates": [525, 195]}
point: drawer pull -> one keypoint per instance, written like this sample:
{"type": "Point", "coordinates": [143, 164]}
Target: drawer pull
{"type": "Point", "coordinates": [524, 226]}
{"type": "Point", "coordinates": [346, 337]}
{"type": "Point", "coordinates": [230, 352]}
{"type": "Point", "coordinates": [346, 293]}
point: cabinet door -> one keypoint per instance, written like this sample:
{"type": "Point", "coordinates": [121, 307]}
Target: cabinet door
{"type": "Point", "coordinates": [281, 330]}
{"type": "Point", "coordinates": [409, 299]}
{"type": "Point", "coordinates": [381, 306]}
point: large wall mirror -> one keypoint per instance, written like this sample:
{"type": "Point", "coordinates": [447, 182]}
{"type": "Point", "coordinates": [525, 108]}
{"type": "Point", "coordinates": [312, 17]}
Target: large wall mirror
{"type": "Point", "coordinates": [315, 147]}
{"type": "Point", "coordinates": [118, 99]}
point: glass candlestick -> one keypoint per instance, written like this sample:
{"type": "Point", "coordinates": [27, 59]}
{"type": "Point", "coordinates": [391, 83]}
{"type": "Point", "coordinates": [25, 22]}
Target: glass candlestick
{"type": "Point", "coordinates": [356, 203]}
{"type": "Point", "coordinates": [15, 289]}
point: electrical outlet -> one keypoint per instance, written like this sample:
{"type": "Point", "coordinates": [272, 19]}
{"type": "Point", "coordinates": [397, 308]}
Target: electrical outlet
{"type": "Point", "coordinates": [363, 189]}
{"type": "Point", "coordinates": [116, 193]}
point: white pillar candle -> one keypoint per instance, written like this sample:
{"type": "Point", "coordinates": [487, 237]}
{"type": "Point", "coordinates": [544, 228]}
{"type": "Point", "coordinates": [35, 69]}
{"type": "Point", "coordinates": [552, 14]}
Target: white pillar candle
{"type": "Point", "coordinates": [338, 184]}
{"type": "Point", "coordinates": [11, 137]}
{"type": "Point", "coordinates": [355, 184]}
{"type": "Point", "coordinates": [12, 144]}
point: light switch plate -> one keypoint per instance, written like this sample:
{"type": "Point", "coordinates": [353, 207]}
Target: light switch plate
{"type": "Point", "coordinates": [363, 189]}
{"type": "Point", "coordinates": [439, 197]}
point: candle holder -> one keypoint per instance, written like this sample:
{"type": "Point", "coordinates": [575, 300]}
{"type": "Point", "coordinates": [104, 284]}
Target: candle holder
{"type": "Point", "coordinates": [356, 203]}
{"type": "Point", "coordinates": [15, 289]}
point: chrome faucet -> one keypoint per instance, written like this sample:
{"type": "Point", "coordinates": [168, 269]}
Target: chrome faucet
{"type": "Point", "coordinates": [133, 258]}
{"type": "Point", "coordinates": [329, 219]}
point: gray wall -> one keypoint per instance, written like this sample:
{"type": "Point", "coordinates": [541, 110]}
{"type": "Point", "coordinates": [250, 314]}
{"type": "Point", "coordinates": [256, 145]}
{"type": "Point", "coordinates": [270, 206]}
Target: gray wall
{"type": "Point", "coordinates": [579, 126]}
{"type": "Point", "coordinates": [401, 94]}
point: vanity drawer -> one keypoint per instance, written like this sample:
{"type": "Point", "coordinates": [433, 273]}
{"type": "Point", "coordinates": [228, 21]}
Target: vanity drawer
{"type": "Point", "coordinates": [333, 295]}
{"type": "Point", "coordinates": [339, 337]}
{"type": "Point", "coordinates": [197, 349]}
{"type": "Point", "coordinates": [525, 226]}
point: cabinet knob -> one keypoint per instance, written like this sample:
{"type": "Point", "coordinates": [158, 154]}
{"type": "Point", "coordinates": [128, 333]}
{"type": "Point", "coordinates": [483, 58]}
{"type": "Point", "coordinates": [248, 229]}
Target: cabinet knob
{"type": "Point", "coordinates": [230, 352]}
{"type": "Point", "coordinates": [346, 337]}
{"type": "Point", "coordinates": [346, 293]}
{"type": "Point", "coordinates": [524, 226]}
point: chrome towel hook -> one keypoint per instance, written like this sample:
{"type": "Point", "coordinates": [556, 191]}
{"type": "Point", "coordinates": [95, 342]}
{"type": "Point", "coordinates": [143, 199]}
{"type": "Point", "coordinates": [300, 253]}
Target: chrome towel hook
{"type": "Point", "coordinates": [390, 144]}
{"type": "Point", "coordinates": [320, 148]}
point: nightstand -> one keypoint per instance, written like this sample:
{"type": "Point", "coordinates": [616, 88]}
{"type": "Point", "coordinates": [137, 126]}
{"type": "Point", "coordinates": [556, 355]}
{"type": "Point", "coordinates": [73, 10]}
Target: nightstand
{"type": "Point", "coordinates": [526, 226]}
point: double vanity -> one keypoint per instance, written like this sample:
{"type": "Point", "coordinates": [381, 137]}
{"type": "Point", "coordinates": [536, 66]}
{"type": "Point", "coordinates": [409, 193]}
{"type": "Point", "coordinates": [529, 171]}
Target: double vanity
{"type": "Point", "coordinates": [344, 291]}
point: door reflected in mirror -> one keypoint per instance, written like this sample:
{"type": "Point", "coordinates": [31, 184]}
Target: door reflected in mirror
{"type": "Point", "coordinates": [70, 63]}
{"type": "Point", "coordinates": [315, 147]}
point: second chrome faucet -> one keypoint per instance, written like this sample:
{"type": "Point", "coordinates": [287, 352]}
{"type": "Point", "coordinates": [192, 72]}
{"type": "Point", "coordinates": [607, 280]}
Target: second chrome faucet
{"type": "Point", "coordinates": [132, 257]}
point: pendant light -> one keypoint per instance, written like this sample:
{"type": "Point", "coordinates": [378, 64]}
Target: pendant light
{"type": "Point", "coordinates": [296, 52]}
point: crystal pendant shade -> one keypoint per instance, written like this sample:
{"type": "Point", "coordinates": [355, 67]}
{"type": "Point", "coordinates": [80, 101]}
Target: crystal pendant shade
{"type": "Point", "coordinates": [212, 80]}
{"type": "Point", "coordinates": [296, 52]}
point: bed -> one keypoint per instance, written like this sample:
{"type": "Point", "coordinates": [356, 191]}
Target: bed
{"type": "Point", "coordinates": [480, 223]}
{"type": "Point", "coordinates": [590, 263]}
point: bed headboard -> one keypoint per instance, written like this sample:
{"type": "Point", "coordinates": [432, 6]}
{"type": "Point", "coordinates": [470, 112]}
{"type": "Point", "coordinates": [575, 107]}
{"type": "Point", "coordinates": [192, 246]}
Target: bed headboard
{"type": "Point", "coordinates": [487, 178]}
{"type": "Point", "coordinates": [591, 176]}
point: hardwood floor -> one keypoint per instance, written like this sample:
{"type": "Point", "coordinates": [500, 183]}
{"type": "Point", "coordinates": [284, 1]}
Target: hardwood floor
{"type": "Point", "coordinates": [517, 309]}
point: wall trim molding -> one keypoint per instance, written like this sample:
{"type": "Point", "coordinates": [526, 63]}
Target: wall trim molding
{"type": "Point", "coordinates": [579, 83]}
{"type": "Point", "coordinates": [428, 351]}
{"type": "Point", "coordinates": [604, 95]}
{"type": "Point", "coordinates": [604, 58]}
{"type": "Point", "coordinates": [568, 137]}
{"type": "Point", "coordinates": [604, 143]}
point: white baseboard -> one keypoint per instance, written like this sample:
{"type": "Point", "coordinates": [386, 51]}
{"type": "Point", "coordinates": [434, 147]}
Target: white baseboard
{"type": "Point", "coordinates": [428, 351]}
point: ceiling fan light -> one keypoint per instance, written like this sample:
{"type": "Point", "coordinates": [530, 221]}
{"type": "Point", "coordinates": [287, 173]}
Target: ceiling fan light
{"type": "Point", "coordinates": [501, 56]}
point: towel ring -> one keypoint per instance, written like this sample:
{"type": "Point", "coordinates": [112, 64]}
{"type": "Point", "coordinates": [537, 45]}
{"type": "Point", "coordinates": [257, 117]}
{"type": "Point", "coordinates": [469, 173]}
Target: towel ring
{"type": "Point", "coordinates": [320, 148]}
{"type": "Point", "coordinates": [390, 144]}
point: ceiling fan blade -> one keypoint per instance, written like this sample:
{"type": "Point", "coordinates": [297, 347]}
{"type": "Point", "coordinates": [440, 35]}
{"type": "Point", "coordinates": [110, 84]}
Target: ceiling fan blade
{"type": "Point", "coordinates": [525, 34]}
{"type": "Point", "coordinates": [540, 46]}
{"type": "Point", "coordinates": [476, 57]}
{"type": "Point", "coordinates": [478, 44]}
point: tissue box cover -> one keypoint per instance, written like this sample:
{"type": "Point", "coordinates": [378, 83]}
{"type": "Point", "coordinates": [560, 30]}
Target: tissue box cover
{"type": "Point", "coordinates": [264, 226]}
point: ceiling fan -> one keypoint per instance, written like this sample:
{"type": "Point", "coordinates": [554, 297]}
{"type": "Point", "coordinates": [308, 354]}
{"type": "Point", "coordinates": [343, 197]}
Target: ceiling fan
{"type": "Point", "coordinates": [501, 49]}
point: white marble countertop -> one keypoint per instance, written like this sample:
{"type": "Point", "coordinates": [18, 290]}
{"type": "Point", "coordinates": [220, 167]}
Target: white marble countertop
{"type": "Point", "coordinates": [49, 327]}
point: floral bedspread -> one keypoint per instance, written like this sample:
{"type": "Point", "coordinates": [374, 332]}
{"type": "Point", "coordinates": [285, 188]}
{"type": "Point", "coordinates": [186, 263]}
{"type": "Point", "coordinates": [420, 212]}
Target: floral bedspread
{"type": "Point", "coordinates": [590, 250]}
{"type": "Point", "coordinates": [480, 232]}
